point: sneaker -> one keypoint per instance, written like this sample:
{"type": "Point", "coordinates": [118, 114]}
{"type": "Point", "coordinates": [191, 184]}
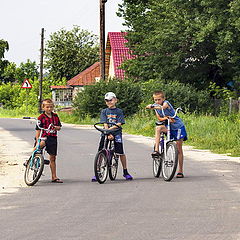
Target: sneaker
{"type": "Point", "coordinates": [94, 179]}
{"type": "Point", "coordinates": [128, 176]}
{"type": "Point", "coordinates": [155, 154]}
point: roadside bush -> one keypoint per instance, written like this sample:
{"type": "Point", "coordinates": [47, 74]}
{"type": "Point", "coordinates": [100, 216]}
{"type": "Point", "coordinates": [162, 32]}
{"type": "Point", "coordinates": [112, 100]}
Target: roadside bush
{"type": "Point", "coordinates": [9, 92]}
{"type": "Point", "coordinates": [13, 96]}
{"type": "Point", "coordinates": [178, 94]}
{"type": "Point", "coordinates": [90, 101]}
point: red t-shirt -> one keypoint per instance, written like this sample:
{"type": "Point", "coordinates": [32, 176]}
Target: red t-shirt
{"type": "Point", "coordinates": [46, 121]}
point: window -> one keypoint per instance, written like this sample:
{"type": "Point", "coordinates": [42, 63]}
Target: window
{"type": "Point", "coordinates": [64, 95]}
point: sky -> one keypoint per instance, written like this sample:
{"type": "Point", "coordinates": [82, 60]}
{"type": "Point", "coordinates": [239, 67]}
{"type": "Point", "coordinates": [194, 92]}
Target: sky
{"type": "Point", "coordinates": [21, 22]}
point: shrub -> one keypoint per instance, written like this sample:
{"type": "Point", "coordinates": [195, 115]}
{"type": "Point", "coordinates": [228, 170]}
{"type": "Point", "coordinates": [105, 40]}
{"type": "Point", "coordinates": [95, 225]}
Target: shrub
{"type": "Point", "coordinates": [90, 101]}
{"type": "Point", "coordinates": [178, 94]}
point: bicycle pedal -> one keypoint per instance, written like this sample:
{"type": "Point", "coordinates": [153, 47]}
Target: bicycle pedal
{"type": "Point", "coordinates": [46, 162]}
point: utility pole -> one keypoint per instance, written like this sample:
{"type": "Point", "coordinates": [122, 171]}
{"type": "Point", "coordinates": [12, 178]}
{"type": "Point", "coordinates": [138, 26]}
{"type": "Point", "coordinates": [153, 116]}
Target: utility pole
{"type": "Point", "coordinates": [102, 39]}
{"type": "Point", "coordinates": [41, 71]}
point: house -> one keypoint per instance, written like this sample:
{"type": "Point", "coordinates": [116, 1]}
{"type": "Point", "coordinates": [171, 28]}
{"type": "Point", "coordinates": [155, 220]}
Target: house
{"type": "Point", "coordinates": [63, 95]}
{"type": "Point", "coordinates": [116, 53]}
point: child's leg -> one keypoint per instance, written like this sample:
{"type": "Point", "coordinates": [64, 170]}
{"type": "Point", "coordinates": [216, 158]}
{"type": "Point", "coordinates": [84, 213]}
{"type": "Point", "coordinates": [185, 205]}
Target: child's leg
{"type": "Point", "coordinates": [180, 155]}
{"type": "Point", "coordinates": [158, 131]}
{"type": "Point", "coordinates": [124, 165]}
{"type": "Point", "coordinates": [42, 145]}
{"type": "Point", "coordinates": [123, 161]}
{"type": "Point", "coordinates": [53, 168]}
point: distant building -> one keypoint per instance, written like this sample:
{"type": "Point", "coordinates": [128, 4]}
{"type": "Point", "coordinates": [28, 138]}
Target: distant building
{"type": "Point", "coordinates": [116, 53]}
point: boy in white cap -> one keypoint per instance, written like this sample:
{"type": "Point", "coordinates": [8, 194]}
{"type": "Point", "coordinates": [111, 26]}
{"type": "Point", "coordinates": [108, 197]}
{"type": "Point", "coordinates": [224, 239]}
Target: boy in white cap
{"type": "Point", "coordinates": [115, 115]}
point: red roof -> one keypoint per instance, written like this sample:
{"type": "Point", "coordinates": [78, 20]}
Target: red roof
{"type": "Point", "coordinates": [87, 77]}
{"type": "Point", "coordinates": [116, 43]}
{"type": "Point", "coordinates": [60, 87]}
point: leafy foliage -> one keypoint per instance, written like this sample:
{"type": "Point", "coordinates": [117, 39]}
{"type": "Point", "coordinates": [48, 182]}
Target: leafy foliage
{"type": "Point", "coordinates": [12, 73]}
{"type": "Point", "coordinates": [3, 63]}
{"type": "Point", "coordinates": [12, 96]}
{"type": "Point", "coordinates": [90, 101]}
{"type": "Point", "coordinates": [70, 52]}
{"type": "Point", "coordinates": [179, 95]}
{"type": "Point", "coordinates": [194, 42]}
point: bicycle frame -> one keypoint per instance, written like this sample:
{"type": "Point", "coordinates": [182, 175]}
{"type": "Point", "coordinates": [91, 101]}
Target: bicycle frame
{"type": "Point", "coordinates": [38, 147]}
{"type": "Point", "coordinates": [107, 147]}
{"type": "Point", "coordinates": [168, 126]}
{"type": "Point", "coordinates": [109, 168]}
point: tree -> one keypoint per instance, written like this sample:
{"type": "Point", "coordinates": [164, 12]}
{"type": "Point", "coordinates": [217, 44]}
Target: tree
{"type": "Point", "coordinates": [28, 69]}
{"type": "Point", "coordinates": [70, 52]}
{"type": "Point", "coordinates": [12, 73]}
{"type": "Point", "coordinates": [193, 41]}
{"type": "Point", "coordinates": [3, 63]}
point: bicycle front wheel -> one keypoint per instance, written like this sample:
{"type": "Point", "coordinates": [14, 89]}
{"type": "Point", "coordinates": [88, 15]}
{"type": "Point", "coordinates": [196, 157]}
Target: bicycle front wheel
{"type": "Point", "coordinates": [170, 163]}
{"type": "Point", "coordinates": [157, 166]}
{"type": "Point", "coordinates": [101, 167]}
{"type": "Point", "coordinates": [34, 170]}
{"type": "Point", "coordinates": [113, 167]}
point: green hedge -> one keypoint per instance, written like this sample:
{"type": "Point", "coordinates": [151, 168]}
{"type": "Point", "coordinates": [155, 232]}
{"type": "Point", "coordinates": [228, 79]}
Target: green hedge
{"type": "Point", "coordinates": [178, 94]}
{"type": "Point", "coordinates": [90, 101]}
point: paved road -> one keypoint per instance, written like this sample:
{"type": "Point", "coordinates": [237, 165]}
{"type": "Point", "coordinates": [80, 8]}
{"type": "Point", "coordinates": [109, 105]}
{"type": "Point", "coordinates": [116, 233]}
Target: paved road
{"type": "Point", "coordinates": [204, 205]}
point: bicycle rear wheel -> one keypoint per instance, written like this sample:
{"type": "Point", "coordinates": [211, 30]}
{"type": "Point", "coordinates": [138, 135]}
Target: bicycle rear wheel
{"type": "Point", "coordinates": [157, 166]}
{"type": "Point", "coordinates": [113, 167]}
{"type": "Point", "coordinates": [169, 166]}
{"type": "Point", "coordinates": [34, 170]}
{"type": "Point", "coordinates": [101, 167]}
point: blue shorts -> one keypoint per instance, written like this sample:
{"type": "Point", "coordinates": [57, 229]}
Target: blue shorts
{"type": "Point", "coordinates": [179, 134]}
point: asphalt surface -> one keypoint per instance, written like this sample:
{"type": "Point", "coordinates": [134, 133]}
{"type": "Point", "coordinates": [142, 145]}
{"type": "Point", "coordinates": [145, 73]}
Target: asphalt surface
{"type": "Point", "coordinates": [203, 205]}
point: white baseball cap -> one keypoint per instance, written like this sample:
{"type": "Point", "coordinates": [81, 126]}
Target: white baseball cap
{"type": "Point", "coordinates": [109, 96]}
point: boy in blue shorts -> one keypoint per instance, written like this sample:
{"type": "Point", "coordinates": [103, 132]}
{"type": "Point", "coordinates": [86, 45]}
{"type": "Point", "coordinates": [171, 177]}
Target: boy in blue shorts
{"type": "Point", "coordinates": [115, 115]}
{"type": "Point", "coordinates": [164, 110]}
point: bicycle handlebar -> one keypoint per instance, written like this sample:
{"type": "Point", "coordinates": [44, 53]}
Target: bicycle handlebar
{"type": "Point", "coordinates": [176, 111]}
{"type": "Point", "coordinates": [107, 131]}
{"type": "Point", "coordinates": [38, 124]}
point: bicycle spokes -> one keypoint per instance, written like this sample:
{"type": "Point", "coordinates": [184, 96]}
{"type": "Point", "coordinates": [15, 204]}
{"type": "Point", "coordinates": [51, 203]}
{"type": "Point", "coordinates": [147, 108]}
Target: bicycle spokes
{"type": "Point", "coordinates": [34, 169]}
{"type": "Point", "coordinates": [101, 167]}
{"type": "Point", "coordinates": [170, 161]}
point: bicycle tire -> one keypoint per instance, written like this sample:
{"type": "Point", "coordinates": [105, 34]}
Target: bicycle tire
{"type": "Point", "coordinates": [113, 167]}
{"type": "Point", "coordinates": [169, 165]}
{"type": "Point", "coordinates": [101, 167]}
{"type": "Point", "coordinates": [157, 166]}
{"type": "Point", "coordinates": [33, 173]}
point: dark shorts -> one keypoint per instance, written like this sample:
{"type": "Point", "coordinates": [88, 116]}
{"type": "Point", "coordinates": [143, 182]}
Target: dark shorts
{"type": "Point", "coordinates": [179, 134]}
{"type": "Point", "coordinates": [118, 144]}
{"type": "Point", "coordinates": [51, 145]}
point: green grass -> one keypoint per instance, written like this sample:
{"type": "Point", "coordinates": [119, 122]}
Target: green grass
{"type": "Point", "coordinates": [218, 134]}
{"type": "Point", "coordinates": [10, 113]}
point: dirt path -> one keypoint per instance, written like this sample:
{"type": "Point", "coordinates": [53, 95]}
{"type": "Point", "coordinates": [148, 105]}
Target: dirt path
{"type": "Point", "coordinates": [13, 151]}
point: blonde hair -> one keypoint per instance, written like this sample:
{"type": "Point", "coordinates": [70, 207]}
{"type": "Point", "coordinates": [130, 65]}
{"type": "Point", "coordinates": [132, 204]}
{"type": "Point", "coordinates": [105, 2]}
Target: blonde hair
{"type": "Point", "coordinates": [47, 101]}
{"type": "Point", "coordinates": [159, 93]}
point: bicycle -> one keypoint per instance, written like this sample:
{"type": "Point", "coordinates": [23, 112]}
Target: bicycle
{"type": "Point", "coordinates": [106, 160]}
{"type": "Point", "coordinates": [166, 163]}
{"type": "Point", "coordinates": [35, 164]}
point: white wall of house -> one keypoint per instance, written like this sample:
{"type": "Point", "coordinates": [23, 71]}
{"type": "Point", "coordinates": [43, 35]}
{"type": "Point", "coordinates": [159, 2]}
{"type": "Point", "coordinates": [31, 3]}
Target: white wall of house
{"type": "Point", "coordinates": [111, 73]}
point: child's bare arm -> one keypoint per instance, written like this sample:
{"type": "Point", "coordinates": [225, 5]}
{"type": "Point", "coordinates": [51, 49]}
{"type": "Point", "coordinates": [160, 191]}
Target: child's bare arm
{"type": "Point", "coordinates": [37, 134]}
{"type": "Point", "coordinates": [161, 118]}
{"type": "Point", "coordinates": [153, 106]}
